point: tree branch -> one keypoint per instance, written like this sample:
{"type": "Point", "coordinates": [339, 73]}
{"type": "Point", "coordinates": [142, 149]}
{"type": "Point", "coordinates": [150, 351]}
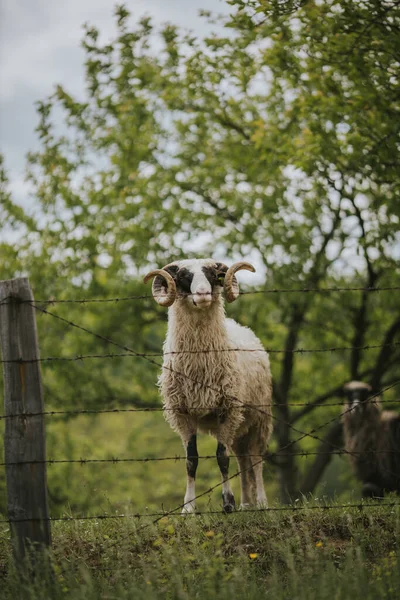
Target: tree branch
{"type": "Point", "coordinates": [336, 391]}
{"type": "Point", "coordinates": [382, 362]}
{"type": "Point", "coordinates": [298, 315]}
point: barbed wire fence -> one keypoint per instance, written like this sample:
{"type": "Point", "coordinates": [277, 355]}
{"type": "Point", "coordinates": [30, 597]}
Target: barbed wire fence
{"type": "Point", "coordinates": [23, 360]}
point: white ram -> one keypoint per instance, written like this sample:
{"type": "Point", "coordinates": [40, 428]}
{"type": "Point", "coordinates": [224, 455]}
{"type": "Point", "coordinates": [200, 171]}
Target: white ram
{"type": "Point", "coordinates": [216, 375]}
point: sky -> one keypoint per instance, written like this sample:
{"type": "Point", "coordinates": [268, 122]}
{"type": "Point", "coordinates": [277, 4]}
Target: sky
{"type": "Point", "coordinates": [40, 47]}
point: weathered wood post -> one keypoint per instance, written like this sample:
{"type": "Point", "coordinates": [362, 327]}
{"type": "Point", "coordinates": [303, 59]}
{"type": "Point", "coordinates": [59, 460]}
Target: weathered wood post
{"type": "Point", "coordinates": [24, 439]}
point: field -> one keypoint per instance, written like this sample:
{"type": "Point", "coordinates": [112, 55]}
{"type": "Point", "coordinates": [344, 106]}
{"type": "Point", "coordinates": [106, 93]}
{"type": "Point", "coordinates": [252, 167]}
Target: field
{"type": "Point", "coordinates": [334, 554]}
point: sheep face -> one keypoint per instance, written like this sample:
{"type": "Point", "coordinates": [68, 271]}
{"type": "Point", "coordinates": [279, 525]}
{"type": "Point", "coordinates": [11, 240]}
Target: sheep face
{"type": "Point", "coordinates": [357, 393]}
{"type": "Point", "coordinates": [196, 284]}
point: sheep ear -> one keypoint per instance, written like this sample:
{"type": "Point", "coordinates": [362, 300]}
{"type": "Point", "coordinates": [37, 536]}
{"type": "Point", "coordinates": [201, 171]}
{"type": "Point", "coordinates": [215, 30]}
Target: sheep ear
{"type": "Point", "coordinates": [221, 268]}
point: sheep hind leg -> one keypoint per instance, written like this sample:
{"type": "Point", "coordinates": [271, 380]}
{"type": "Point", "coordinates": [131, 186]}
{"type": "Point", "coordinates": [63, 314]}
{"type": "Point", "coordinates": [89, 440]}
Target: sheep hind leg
{"type": "Point", "coordinates": [247, 482]}
{"type": "Point", "coordinates": [242, 450]}
{"type": "Point", "coordinates": [192, 460]}
{"type": "Point", "coordinates": [262, 501]}
{"type": "Point", "coordinates": [371, 490]}
{"type": "Point", "coordinates": [228, 500]}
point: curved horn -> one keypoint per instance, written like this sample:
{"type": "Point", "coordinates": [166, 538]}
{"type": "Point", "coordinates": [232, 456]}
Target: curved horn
{"type": "Point", "coordinates": [231, 286]}
{"type": "Point", "coordinates": [162, 297]}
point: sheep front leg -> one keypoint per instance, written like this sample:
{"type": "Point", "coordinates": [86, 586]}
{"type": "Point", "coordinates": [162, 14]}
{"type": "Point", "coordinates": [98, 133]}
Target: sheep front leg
{"type": "Point", "coordinates": [192, 460]}
{"type": "Point", "coordinates": [228, 500]}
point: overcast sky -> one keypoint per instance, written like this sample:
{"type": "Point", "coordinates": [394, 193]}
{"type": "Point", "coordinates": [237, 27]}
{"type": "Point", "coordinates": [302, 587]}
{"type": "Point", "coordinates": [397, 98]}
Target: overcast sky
{"type": "Point", "coordinates": [40, 46]}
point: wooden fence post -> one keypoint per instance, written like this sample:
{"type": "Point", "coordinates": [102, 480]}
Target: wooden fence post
{"type": "Point", "coordinates": [24, 439]}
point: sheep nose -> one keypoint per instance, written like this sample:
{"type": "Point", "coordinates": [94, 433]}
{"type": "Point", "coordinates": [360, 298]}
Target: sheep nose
{"type": "Point", "coordinates": [202, 296]}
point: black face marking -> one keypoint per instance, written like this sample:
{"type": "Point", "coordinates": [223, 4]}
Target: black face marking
{"type": "Point", "coordinates": [361, 395]}
{"type": "Point", "coordinates": [192, 457]}
{"type": "Point", "coordinates": [215, 275]}
{"type": "Point", "coordinates": [184, 280]}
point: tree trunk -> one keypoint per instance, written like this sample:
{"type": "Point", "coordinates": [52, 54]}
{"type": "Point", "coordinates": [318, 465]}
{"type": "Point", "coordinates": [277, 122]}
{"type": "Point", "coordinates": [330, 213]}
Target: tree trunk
{"type": "Point", "coordinates": [286, 465]}
{"type": "Point", "coordinates": [331, 442]}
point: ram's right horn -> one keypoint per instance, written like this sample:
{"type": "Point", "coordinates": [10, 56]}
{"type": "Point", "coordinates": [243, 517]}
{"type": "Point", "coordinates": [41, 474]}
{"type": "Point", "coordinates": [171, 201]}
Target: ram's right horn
{"type": "Point", "coordinates": [231, 286]}
{"type": "Point", "coordinates": [163, 297]}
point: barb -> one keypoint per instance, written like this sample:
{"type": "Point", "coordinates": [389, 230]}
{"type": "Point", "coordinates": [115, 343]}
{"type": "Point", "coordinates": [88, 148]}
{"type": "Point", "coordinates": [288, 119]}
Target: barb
{"type": "Point", "coordinates": [322, 507]}
{"type": "Point", "coordinates": [325, 290]}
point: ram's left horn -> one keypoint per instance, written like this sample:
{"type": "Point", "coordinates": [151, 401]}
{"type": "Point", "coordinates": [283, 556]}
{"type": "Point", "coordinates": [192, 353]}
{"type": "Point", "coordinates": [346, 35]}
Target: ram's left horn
{"type": "Point", "coordinates": [231, 286]}
{"type": "Point", "coordinates": [161, 296]}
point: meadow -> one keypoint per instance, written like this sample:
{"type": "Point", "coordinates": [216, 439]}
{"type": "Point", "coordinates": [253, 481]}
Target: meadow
{"type": "Point", "coordinates": [343, 553]}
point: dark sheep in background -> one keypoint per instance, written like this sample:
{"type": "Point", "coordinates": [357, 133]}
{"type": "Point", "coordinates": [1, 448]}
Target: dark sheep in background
{"type": "Point", "coordinates": [373, 436]}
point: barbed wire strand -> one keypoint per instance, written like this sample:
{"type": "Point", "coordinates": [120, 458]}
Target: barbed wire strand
{"type": "Point", "coordinates": [133, 353]}
{"type": "Point", "coordinates": [166, 514]}
{"type": "Point", "coordinates": [177, 457]}
{"type": "Point", "coordinates": [242, 293]}
{"type": "Point", "coordinates": [150, 409]}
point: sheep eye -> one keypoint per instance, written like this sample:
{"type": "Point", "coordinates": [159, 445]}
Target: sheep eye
{"type": "Point", "coordinates": [184, 280]}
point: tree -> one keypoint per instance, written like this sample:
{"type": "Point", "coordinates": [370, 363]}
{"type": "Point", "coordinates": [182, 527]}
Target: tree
{"type": "Point", "coordinates": [276, 140]}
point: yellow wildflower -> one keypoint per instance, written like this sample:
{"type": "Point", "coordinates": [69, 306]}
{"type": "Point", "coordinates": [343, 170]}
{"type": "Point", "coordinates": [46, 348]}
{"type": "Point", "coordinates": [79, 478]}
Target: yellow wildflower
{"type": "Point", "coordinates": [319, 544]}
{"type": "Point", "coordinates": [209, 534]}
{"type": "Point", "coordinates": [253, 555]}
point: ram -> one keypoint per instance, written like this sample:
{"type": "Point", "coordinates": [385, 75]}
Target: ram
{"type": "Point", "coordinates": [372, 439]}
{"type": "Point", "coordinates": [216, 375]}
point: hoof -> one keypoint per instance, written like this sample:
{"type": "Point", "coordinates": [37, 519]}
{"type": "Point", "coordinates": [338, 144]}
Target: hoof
{"type": "Point", "coordinates": [370, 490]}
{"type": "Point", "coordinates": [188, 509]}
{"type": "Point", "coordinates": [228, 503]}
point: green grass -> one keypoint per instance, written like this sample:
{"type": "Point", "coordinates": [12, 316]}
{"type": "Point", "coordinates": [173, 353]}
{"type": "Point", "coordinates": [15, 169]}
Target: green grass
{"type": "Point", "coordinates": [322, 554]}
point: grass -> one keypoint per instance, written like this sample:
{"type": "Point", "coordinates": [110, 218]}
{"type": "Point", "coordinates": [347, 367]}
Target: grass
{"type": "Point", "coordinates": [317, 554]}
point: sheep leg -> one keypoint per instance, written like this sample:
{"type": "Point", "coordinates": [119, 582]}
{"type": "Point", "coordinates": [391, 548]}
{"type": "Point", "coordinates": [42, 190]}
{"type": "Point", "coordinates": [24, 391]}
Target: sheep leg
{"type": "Point", "coordinates": [371, 490]}
{"type": "Point", "coordinates": [260, 490]}
{"type": "Point", "coordinates": [228, 500]}
{"type": "Point", "coordinates": [247, 481]}
{"type": "Point", "coordinates": [192, 460]}
{"type": "Point", "coordinates": [242, 448]}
